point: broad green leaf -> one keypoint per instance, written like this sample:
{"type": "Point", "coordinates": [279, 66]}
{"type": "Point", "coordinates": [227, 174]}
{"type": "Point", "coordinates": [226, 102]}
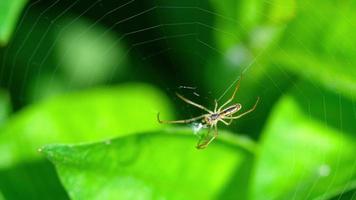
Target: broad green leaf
{"type": "Point", "coordinates": [159, 165]}
{"type": "Point", "coordinates": [308, 147]}
{"type": "Point", "coordinates": [326, 31]}
{"type": "Point", "coordinates": [319, 44]}
{"type": "Point", "coordinates": [281, 11]}
{"type": "Point", "coordinates": [10, 11]}
{"type": "Point", "coordinates": [329, 72]}
{"type": "Point", "coordinates": [81, 117]}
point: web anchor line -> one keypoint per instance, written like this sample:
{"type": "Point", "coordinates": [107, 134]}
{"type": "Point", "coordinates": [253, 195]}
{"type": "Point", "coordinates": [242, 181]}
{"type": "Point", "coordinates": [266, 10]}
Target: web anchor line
{"type": "Point", "coordinates": [242, 73]}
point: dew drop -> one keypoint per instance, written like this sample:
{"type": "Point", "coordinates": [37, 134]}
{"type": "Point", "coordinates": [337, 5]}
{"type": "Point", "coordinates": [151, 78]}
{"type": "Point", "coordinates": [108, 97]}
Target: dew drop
{"type": "Point", "coordinates": [324, 170]}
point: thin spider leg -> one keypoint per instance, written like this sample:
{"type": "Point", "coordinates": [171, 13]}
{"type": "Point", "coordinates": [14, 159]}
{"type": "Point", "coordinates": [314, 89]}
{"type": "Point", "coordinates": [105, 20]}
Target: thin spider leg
{"type": "Point", "coordinates": [184, 121]}
{"type": "Point", "coordinates": [216, 131]}
{"type": "Point", "coordinates": [245, 113]}
{"type": "Point", "coordinates": [199, 144]}
{"type": "Point", "coordinates": [233, 95]}
{"type": "Point", "coordinates": [192, 103]}
{"type": "Point", "coordinates": [216, 106]}
{"type": "Point", "coordinates": [207, 142]}
{"type": "Point", "coordinates": [230, 122]}
{"type": "Point", "coordinates": [223, 121]}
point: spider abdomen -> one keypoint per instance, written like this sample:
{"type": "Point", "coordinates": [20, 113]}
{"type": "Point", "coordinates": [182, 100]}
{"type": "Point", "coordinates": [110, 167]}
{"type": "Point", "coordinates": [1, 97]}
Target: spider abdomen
{"type": "Point", "coordinates": [230, 110]}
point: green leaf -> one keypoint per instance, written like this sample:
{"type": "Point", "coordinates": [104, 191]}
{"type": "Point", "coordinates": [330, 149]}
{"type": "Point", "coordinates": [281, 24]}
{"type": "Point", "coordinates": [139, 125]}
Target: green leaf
{"type": "Point", "coordinates": [2, 196]}
{"type": "Point", "coordinates": [325, 52]}
{"type": "Point", "coordinates": [281, 11]}
{"type": "Point", "coordinates": [81, 117]}
{"type": "Point", "coordinates": [329, 72]}
{"type": "Point", "coordinates": [159, 165]}
{"type": "Point", "coordinates": [308, 148]}
{"type": "Point", "coordinates": [10, 11]}
{"type": "Point", "coordinates": [329, 29]}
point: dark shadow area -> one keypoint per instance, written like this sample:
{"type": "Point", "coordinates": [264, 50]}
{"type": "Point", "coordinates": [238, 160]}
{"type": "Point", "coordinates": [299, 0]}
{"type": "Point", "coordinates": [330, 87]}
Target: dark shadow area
{"type": "Point", "coordinates": [326, 106]}
{"type": "Point", "coordinates": [347, 195]}
{"type": "Point", "coordinates": [35, 180]}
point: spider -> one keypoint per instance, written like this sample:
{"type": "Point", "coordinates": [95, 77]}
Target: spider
{"type": "Point", "coordinates": [211, 119]}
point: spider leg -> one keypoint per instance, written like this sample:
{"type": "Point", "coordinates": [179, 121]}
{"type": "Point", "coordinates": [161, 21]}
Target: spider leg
{"type": "Point", "coordinates": [245, 113]}
{"type": "Point", "coordinates": [199, 144]}
{"type": "Point", "coordinates": [216, 105]}
{"type": "Point", "coordinates": [230, 122]}
{"type": "Point", "coordinates": [233, 95]}
{"type": "Point", "coordinates": [226, 123]}
{"type": "Point", "coordinates": [193, 103]}
{"type": "Point", "coordinates": [184, 121]}
{"type": "Point", "coordinates": [216, 131]}
{"type": "Point", "coordinates": [208, 141]}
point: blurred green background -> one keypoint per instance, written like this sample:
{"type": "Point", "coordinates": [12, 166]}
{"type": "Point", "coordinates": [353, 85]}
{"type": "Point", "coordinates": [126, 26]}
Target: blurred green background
{"type": "Point", "coordinates": [81, 83]}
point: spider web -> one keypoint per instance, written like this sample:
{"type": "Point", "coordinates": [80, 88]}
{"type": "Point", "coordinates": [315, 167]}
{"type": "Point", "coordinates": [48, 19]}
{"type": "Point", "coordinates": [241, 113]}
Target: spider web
{"type": "Point", "coordinates": [149, 43]}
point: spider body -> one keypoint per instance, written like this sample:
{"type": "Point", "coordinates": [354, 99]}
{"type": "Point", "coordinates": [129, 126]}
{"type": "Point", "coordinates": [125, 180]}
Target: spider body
{"type": "Point", "coordinates": [212, 118]}
{"type": "Point", "coordinates": [230, 110]}
{"type": "Point", "coordinates": [217, 115]}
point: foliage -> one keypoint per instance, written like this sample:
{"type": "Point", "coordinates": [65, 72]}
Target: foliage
{"type": "Point", "coordinates": [77, 121]}
{"type": "Point", "coordinates": [121, 167]}
{"type": "Point", "coordinates": [10, 11]}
